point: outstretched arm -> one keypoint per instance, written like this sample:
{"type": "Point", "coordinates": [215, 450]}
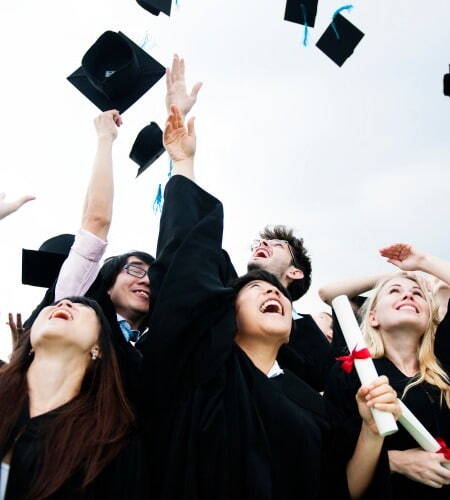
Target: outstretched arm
{"type": "Point", "coordinates": [350, 287]}
{"type": "Point", "coordinates": [97, 212]}
{"type": "Point", "coordinates": [7, 208]}
{"type": "Point", "coordinates": [176, 88]}
{"type": "Point", "coordinates": [408, 258]}
{"type": "Point", "coordinates": [82, 265]}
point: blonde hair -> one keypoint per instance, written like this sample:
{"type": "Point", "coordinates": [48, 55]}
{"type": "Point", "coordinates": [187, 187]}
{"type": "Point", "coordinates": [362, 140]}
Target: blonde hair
{"type": "Point", "coordinates": [430, 369]}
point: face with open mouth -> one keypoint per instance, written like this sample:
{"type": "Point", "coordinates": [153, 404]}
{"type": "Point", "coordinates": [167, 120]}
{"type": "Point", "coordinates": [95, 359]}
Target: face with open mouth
{"type": "Point", "coordinates": [130, 293]}
{"type": "Point", "coordinates": [401, 302]}
{"type": "Point", "coordinates": [276, 257]}
{"type": "Point", "coordinates": [67, 322]}
{"type": "Point", "coordinates": [263, 311]}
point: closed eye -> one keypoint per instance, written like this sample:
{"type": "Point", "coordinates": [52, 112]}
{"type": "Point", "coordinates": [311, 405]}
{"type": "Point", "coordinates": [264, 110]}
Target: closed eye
{"type": "Point", "coordinates": [392, 290]}
{"type": "Point", "coordinates": [420, 294]}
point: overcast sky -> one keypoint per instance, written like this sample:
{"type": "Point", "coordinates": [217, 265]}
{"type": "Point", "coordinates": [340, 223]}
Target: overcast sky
{"type": "Point", "coordinates": [354, 158]}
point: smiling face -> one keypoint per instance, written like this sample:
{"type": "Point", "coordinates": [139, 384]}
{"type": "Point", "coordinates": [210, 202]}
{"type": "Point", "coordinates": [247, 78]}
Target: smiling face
{"type": "Point", "coordinates": [66, 323]}
{"type": "Point", "coordinates": [131, 294]}
{"type": "Point", "coordinates": [401, 303]}
{"type": "Point", "coordinates": [263, 313]}
{"type": "Point", "coordinates": [272, 256]}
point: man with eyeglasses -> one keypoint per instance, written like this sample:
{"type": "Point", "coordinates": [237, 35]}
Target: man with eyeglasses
{"type": "Point", "coordinates": [308, 353]}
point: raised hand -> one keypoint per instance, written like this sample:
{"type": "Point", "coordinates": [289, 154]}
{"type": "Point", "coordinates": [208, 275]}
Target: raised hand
{"type": "Point", "coordinates": [379, 395]}
{"type": "Point", "coordinates": [179, 142]}
{"type": "Point", "coordinates": [404, 256]}
{"type": "Point", "coordinates": [107, 123]}
{"type": "Point", "coordinates": [176, 88]}
{"type": "Point", "coordinates": [7, 208]}
{"type": "Point", "coordinates": [16, 328]}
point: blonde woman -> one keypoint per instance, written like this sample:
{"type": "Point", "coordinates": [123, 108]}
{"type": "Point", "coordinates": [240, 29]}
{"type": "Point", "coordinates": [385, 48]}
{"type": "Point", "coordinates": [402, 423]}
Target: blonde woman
{"type": "Point", "coordinates": [399, 323]}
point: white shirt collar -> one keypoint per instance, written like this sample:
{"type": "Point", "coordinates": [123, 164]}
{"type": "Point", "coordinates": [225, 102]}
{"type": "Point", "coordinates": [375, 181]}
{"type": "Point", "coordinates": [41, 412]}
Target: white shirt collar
{"type": "Point", "coordinates": [275, 370]}
{"type": "Point", "coordinates": [296, 315]}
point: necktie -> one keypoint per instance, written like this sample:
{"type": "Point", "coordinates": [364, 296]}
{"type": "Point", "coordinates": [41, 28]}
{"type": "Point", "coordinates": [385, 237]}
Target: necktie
{"type": "Point", "coordinates": [129, 334]}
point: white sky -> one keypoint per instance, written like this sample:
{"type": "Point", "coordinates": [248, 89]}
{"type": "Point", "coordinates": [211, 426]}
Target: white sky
{"type": "Point", "coordinates": [354, 158]}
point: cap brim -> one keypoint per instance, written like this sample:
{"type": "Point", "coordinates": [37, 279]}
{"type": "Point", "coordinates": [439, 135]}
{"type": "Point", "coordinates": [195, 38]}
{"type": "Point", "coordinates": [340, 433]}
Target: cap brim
{"type": "Point", "coordinates": [151, 72]}
{"type": "Point", "coordinates": [41, 268]}
{"type": "Point", "coordinates": [144, 167]}
{"type": "Point", "coordinates": [159, 6]}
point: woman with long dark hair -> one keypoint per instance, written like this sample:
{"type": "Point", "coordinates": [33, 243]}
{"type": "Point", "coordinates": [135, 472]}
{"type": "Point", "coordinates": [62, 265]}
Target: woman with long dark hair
{"type": "Point", "coordinates": [66, 427]}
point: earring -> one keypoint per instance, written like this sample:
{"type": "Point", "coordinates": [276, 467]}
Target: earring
{"type": "Point", "coordinates": [31, 352]}
{"type": "Point", "coordinates": [93, 356]}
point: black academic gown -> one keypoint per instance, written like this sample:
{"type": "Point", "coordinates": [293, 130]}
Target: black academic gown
{"type": "Point", "coordinates": [222, 429]}
{"type": "Point", "coordinates": [308, 353]}
{"type": "Point", "coordinates": [424, 402]}
{"type": "Point", "coordinates": [124, 478]}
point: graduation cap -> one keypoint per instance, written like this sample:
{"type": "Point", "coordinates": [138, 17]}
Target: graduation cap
{"type": "Point", "coordinates": [156, 6]}
{"type": "Point", "coordinates": [301, 12]}
{"type": "Point", "coordinates": [115, 72]}
{"type": "Point", "coordinates": [41, 267]}
{"type": "Point", "coordinates": [340, 39]}
{"type": "Point", "coordinates": [447, 84]}
{"type": "Point", "coordinates": [148, 147]}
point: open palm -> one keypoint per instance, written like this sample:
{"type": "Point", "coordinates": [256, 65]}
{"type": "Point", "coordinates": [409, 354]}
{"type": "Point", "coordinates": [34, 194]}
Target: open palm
{"type": "Point", "coordinates": [179, 141]}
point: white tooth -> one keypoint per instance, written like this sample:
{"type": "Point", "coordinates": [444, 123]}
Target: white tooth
{"type": "Point", "coordinates": [407, 308]}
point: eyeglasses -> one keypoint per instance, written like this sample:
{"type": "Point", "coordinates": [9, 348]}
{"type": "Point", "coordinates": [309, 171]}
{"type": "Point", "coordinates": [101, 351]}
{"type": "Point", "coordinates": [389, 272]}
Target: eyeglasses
{"type": "Point", "coordinates": [136, 271]}
{"type": "Point", "coordinates": [276, 244]}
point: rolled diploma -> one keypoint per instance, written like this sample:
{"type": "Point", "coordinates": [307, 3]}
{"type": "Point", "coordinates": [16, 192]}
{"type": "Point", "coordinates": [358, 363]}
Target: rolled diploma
{"type": "Point", "coordinates": [364, 367]}
{"type": "Point", "coordinates": [418, 431]}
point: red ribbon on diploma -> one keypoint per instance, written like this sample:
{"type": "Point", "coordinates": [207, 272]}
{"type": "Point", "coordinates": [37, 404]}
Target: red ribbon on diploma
{"type": "Point", "coordinates": [444, 449]}
{"type": "Point", "coordinates": [347, 362]}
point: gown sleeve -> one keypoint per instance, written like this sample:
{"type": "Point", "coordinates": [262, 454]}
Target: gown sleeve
{"type": "Point", "coordinates": [192, 322]}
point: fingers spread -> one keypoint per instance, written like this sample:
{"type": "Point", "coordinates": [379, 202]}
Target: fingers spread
{"type": "Point", "coordinates": [191, 127]}
{"type": "Point", "coordinates": [195, 89]}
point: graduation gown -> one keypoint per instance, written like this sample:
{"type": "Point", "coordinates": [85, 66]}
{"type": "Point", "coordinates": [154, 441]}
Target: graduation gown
{"type": "Point", "coordinates": [423, 400]}
{"type": "Point", "coordinates": [221, 428]}
{"type": "Point", "coordinates": [308, 353]}
{"type": "Point", "coordinates": [124, 478]}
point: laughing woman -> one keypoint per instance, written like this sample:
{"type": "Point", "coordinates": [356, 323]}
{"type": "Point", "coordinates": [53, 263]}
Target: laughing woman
{"type": "Point", "coordinates": [66, 428]}
{"type": "Point", "coordinates": [230, 423]}
{"type": "Point", "coordinates": [399, 324]}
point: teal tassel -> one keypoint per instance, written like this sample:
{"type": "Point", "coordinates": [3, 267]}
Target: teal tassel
{"type": "Point", "coordinates": [144, 43]}
{"type": "Point", "coordinates": [157, 204]}
{"type": "Point", "coordinates": [169, 175]}
{"type": "Point", "coordinates": [305, 23]}
{"type": "Point", "coordinates": [345, 7]}
{"type": "Point", "coordinates": [177, 3]}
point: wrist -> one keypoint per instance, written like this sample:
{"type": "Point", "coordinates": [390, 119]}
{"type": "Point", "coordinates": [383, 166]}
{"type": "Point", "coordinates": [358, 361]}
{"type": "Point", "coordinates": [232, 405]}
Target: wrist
{"type": "Point", "coordinates": [393, 456]}
{"type": "Point", "coordinates": [185, 162]}
{"type": "Point", "coordinates": [425, 263]}
{"type": "Point", "coordinates": [107, 139]}
{"type": "Point", "coordinates": [369, 432]}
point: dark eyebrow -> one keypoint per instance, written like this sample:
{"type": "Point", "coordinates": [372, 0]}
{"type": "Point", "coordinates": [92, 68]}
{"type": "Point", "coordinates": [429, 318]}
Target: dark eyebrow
{"type": "Point", "coordinates": [137, 263]}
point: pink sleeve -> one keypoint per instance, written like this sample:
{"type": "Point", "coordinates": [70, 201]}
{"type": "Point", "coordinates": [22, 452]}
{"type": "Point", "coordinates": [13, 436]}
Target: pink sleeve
{"type": "Point", "coordinates": [81, 266]}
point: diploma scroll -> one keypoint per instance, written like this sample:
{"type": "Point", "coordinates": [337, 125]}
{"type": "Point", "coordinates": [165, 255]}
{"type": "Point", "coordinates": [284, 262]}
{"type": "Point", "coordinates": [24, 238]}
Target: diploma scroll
{"type": "Point", "coordinates": [364, 367]}
{"type": "Point", "coordinates": [418, 431]}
